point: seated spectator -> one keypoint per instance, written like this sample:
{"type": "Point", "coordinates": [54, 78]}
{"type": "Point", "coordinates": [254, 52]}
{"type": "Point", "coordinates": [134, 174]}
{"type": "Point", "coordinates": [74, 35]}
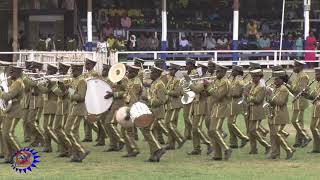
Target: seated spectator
{"type": "Point", "coordinates": [222, 42]}
{"type": "Point", "coordinates": [107, 30]}
{"type": "Point", "coordinates": [142, 42]}
{"type": "Point", "coordinates": [197, 42]}
{"type": "Point", "coordinates": [102, 46]}
{"type": "Point", "coordinates": [126, 21]}
{"type": "Point", "coordinates": [132, 43]}
{"type": "Point", "coordinates": [299, 46]}
{"type": "Point", "coordinates": [153, 43]}
{"type": "Point", "coordinates": [287, 43]}
{"type": "Point", "coordinates": [210, 43]}
{"type": "Point", "coordinates": [264, 43]}
{"type": "Point", "coordinates": [265, 28]}
{"type": "Point", "coordinates": [184, 44]}
{"type": "Point", "coordinates": [276, 43]}
{"type": "Point", "coordinates": [111, 42]}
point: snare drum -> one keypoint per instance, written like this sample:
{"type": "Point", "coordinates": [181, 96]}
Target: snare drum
{"type": "Point", "coordinates": [123, 117]}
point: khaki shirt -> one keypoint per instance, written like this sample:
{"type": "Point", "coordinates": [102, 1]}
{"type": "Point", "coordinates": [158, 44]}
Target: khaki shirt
{"type": "Point", "coordinates": [133, 91]}
{"type": "Point", "coordinates": [49, 98]}
{"type": "Point", "coordinates": [312, 95]}
{"type": "Point", "coordinates": [279, 101]}
{"type": "Point", "coordinates": [300, 82]}
{"type": "Point", "coordinates": [235, 94]}
{"type": "Point", "coordinates": [157, 98]}
{"type": "Point", "coordinates": [174, 93]}
{"type": "Point", "coordinates": [256, 100]}
{"type": "Point", "coordinates": [15, 94]}
{"type": "Point", "coordinates": [63, 100]}
{"type": "Point", "coordinates": [118, 90]}
{"type": "Point", "coordinates": [77, 100]}
{"type": "Point", "coordinates": [219, 89]}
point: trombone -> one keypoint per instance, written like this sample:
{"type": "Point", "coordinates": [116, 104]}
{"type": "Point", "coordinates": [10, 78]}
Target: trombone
{"type": "Point", "coordinates": [303, 91]}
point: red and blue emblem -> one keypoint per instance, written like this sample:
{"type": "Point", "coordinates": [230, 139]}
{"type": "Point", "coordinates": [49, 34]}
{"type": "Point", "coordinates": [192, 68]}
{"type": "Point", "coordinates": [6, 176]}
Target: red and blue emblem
{"type": "Point", "coordinates": [24, 160]}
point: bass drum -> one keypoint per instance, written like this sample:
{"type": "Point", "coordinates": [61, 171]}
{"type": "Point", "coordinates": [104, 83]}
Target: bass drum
{"type": "Point", "coordinates": [141, 115]}
{"type": "Point", "coordinates": [95, 102]}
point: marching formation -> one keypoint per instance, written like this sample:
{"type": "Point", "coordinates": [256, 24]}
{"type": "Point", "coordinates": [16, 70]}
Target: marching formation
{"type": "Point", "coordinates": [149, 101]}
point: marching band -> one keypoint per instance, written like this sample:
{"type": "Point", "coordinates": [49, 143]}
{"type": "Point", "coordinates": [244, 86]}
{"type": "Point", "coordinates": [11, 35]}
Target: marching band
{"type": "Point", "coordinates": [126, 98]}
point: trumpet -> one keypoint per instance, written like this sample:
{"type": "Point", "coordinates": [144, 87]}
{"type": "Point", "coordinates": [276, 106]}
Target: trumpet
{"type": "Point", "coordinates": [303, 91]}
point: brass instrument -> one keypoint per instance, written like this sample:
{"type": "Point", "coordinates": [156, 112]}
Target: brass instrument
{"type": "Point", "coordinates": [5, 106]}
{"type": "Point", "coordinates": [117, 72]}
{"type": "Point", "coordinates": [267, 106]}
{"type": "Point", "coordinates": [303, 91]}
{"type": "Point", "coordinates": [316, 99]}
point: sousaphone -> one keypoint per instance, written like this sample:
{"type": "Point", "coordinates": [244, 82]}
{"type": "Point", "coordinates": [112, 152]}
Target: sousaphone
{"type": "Point", "coordinates": [117, 72]}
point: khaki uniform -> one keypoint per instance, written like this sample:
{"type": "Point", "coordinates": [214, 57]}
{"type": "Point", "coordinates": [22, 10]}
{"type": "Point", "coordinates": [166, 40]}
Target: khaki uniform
{"type": "Point", "coordinates": [219, 90]}
{"type": "Point", "coordinates": [77, 113]}
{"type": "Point", "coordinates": [1, 132]}
{"type": "Point", "coordinates": [108, 118]}
{"type": "Point", "coordinates": [61, 116]}
{"type": "Point", "coordinates": [12, 117]}
{"type": "Point", "coordinates": [132, 95]}
{"type": "Point", "coordinates": [160, 128]}
{"type": "Point", "coordinates": [235, 95]}
{"type": "Point", "coordinates": [32, 105]}
{"type": "Point", "coordinates": [315, 122]}
{"type": "Point", "coordinates": [261, 129]}
{"type": "Point", "coordinates": [49, 112]}
{"type": "Point", "coordinates": [255, 116]}
{"type": "Point", "coordinates": [186, 115]}
{"type": "Point", "coordinates": [280, 117]}
{"type": "Point", "coordinates": [210, 103]}
{"type": "Point", "coordinates": [300, 82]}
{"type": "Point", "coordinates": [174, 92]}
{"type": "Point", "coordinates": [157, 100]}
{"type": "Point", "coordinates": [88, 126]}
{"type": "Point", "coordinates": [197, 115]}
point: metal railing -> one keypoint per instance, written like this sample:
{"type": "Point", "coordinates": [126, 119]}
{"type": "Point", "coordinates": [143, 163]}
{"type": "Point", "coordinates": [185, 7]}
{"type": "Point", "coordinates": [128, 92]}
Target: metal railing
{"type": "Point", "coordinates": [55, 57]}
{"type": "Point", "coordinates": [224, 57]}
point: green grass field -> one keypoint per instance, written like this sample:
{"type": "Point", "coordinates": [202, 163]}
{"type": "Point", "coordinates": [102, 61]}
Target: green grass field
{"type": "Point", "coordinates": [175, 164]}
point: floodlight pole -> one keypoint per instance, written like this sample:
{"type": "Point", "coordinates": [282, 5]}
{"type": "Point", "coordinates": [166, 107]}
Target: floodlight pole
{"type": "Point", "coordinates": [15, 27]}
{"type": "Point", "coordinates": [164, 26]}
{"type": "Point", "coordinates": [282, 25]}
{"type": "Point", "coordinates": [235, 36]}
{"type": "Point", "coordinates": [89, 26]}
{"type": "Point", "coordinates": [306, 9]}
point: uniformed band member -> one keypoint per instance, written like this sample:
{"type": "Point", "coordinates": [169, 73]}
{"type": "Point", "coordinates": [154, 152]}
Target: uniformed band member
{"type": "Point", "coordinates": [160, 128]}
{"type": "Point", "coordinates": [314, 96]}
{"type": "Point", "coordinates": [253, 66]}
{"type": "Point", "coordinates": [61, 91]}
{"type": "Point", "coordinates": [274, 69]}
{"type": "Point", "coordinates": [13, 115]}
{"type": "Point", "coordinates": [142, 75]}
{"type": "Point", "coordinates": [256, 98]}
{"type": "Point", "coordinates": [219, 89]}
{"type": "Point", "coordinates": [32, 105]}
{"type": "Point", "coordinates": [197, 115]}
{"type": "Point", "coordinates": [108, 118]}
{"type": "Point", "coordinates": [279, 115]}
{"type": "Point", "coordinates": [210, 99]}
{"type": "Point", "coordinates": [131, 96]}
{"type": "Point", "coordinates": [156, 100]}
{"type": "Point", "coordinates": [235, 94]}
{"type": "Point", "coordinates": [300, 82]}
{"type": "Point", "coordinates": [191, 71]}
{"type": "Point", "coordinates": [49, 109]}
{"type": "Point", "coordinates": [77, 113]}
{"type": "Point", "coordinates": [88, 126]}
{"type": "Point", "coordinates": [173, 106]}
